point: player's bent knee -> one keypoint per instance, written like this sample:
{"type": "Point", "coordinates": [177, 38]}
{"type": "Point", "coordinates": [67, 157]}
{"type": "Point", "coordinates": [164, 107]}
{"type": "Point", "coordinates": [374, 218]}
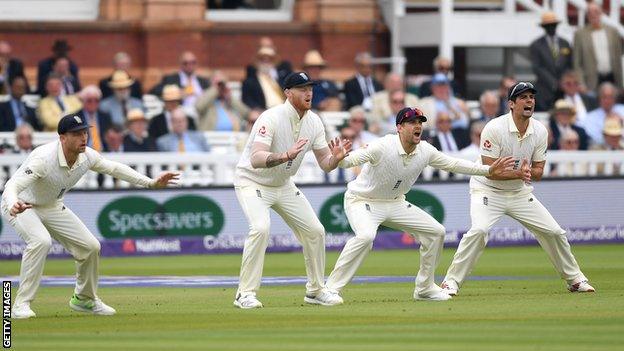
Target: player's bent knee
{"type": "Point", "coordinates": [94, 246]}
{"type": "Point", "coordinates": [439, 230]}
{"type": "Point", "coordinates": [260, 230]}
{"type": "Point", "coordinates": [367, 238]}
{"type": "Point", "coordinates": [43, 244]}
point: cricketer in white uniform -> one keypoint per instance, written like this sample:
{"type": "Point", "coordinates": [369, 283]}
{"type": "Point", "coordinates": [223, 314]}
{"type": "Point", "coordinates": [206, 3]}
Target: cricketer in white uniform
{"type": "Point", "coordinates": [518, 135]}
{"type": "Point", "coordinates": [277, 144]}
{"type": "Point", "coordinates": [377, 196]}
{"type": "Point", "coordinates": [33, 204]}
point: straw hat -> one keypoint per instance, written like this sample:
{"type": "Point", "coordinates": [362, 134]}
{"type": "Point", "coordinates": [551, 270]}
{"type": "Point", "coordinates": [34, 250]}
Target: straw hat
{"type": "Point", "coordinates": [549, 17]}
{"type": "Point", "coordinates": [564, 105]}
{"type": "Point", "coordinates": [120, 80]}
{"type": "Point", "coordinates": [171, 92]}
{"type": "Point", "coordinates": [135, 114]}
{"type": "Point", "coordinates": [313, 58]}
{"type": "Point", "coordinates": [612, 127]}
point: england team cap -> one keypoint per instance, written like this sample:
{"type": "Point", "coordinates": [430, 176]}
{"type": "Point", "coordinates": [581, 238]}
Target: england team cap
{"type": "Point", "coordinates": [71, 123]}
{"type": "Point", "coordinates": [520, 88]}
{"type": "Point", "coordinates": [297, 79]}
{"type": "Point", "coordinates": [409, 114]}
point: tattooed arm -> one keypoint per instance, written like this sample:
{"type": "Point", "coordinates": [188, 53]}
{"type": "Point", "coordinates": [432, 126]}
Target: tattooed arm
{"type": "Point", "coordinates": [261, 157]}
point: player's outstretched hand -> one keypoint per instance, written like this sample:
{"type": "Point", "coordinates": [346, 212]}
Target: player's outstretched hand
{"type": "Point", "coordinates": [340, 149]}
{"type": "Point", "coordinates": [167, 178]}
{"type": "Point", "coordinates": [294, 150]}
{"type": "Point", "coordinates": [501, 166]}
{"type": "Point", "coordinates": [525, 170]}
{"type": "Point", "coordinates": [19, 207]}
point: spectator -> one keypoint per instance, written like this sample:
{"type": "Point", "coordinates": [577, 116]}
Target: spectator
{"type": "Point", "coordinates": [70, 84]}
{"type": "Point", "coordinates": [24, 139]}
{"type": "Point", "coordinates": [561, 120]}
{"type": "Point", "coordinates": [15, 112]}
{"type": "Point", "coordinates": [54, 106]}
{"type": "Point", "coordinates": [571, 92]}
{"type": "Point", "coordinates": [261, 88]}
{"type": "Point", "coordinates": [551, 56]}
{"type": "Point", "coordinates": [113, 138]}
{"type": "Point", "coordinates": [360, 89]}
{"type": "Point", "coordinates": [98, 121]}
{"type": "Point", "coordinates": [594, 123]}
{"type": "Point", "coordinates": [325, 92]}
{"type": "Point", "coordinates": [180, 139]}
{"type": "Point", "coordinates": [503, 89]}
{"type": "Point", "coordinates": [160, 124]}
{"type": "Point", "coordinates": [447, 139]}
{"type": "Point", "coordinates": [121, 62]}
{"type": "Point", "coordinates": [381, 100]}
{"type": "Point", "coordinates": [118, 104]}
{"type": "Point", "coordinates": [473, 151]}
{"type": "Point", "coordinates": [191, 84]}
{"type": "Point", "coordinates": [388, 124]}
{"type": "Point", "coordinates": [137, 139]}
{"type": "Point", "coordinates": [488, 106]}
{"type": "Point", "coordinates": [597, 51]}
{"type": "Point", "coordinates": [60, 49]}
{"type": "Point", "coordinates": [569, 141]}
{"type": "Point", "coordinates": [357, 122]}
{"type": "Point", "coordinates": [343, 175]}
{"type": "Point", "coordinates": [282, 68]}
{"type": "Point", "coordinates": [443, 101]}
{"type": "Point", "coordinates": [442, 65]}
{"type": "Point", "coordinates": [612, 135]}
{"type": "Point", "coordinates": [218, 109]}
{"type": "Point", "coordinates": [10, 68]}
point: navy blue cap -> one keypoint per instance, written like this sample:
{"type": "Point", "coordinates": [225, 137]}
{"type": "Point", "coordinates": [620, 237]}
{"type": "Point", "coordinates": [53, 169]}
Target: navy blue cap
{"type": "Point", "coordinates": [297, 79]}
{"type": "Point", "coordinates": [520, 88]}
{"type": "Point", "coordinates": [71, 123]}
{"type": "Point", "coordinates": [409, 114]}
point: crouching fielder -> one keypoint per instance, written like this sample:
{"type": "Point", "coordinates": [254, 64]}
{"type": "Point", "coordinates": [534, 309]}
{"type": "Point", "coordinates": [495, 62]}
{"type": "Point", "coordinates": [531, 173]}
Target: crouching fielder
{"type": "Point", "coordinates": [377, 196]}
{"type": "Point", "coordinates": [33, 204]}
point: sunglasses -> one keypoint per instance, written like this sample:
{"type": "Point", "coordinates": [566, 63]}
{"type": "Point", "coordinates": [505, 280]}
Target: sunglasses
{"type": "Point", "coordinates": [410, 113]}
{"type": "Point", "coordinates": [520, 86]}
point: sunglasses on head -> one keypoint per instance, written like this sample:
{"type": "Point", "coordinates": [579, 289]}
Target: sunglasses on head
{"type": "Point", "coordinates": [411, 113]}
{"type": "Point", "coordinates": [520, 86]}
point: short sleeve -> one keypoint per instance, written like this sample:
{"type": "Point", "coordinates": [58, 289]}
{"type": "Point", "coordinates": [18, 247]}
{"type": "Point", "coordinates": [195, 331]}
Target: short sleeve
{"type": "Point", "coordinates": [490, 143]}
{"type": "Point", "coordinates": [539, 154]}
{"type": "Point", "coordinates": [265, 130]}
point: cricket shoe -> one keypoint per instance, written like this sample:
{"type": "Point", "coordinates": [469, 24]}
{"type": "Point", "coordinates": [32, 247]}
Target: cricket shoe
{"type": "Point", "coordinates": [95, 306]}
{"type": "Point", "coordinates": [22, 311]}
{"type": "Point", "coordinates": [450, 287]}
{"type": "Point", "coordinates": [247, 301]}
{"type": "Point", "coordinates": [582, 286]}
{"type": "Point", "coordinates": [325, 298]}
{"type": "Point", "coordinates": [433, 295]}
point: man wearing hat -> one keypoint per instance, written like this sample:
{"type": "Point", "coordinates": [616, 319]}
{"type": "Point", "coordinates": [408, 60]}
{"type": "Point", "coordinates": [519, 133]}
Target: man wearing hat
{"type": "Point", "coordinates": [60, 48]}
{"type": "Point", "coordinates": [563, 118]}
{"type": "Point", "coordinates": [118, 104]}
{"type": "Point", "coordinates": [277, 144]}
{"type": "Point", "coordinates": [514, 134]}
{"type": "Point", "coordinates": [374, 198]}
{"type": "Point", "coordinates": [32, 203]}
{"type": "Point", "coordinates": [612, 133]}
{"type": "Point", "coordinates": [137, 139]}
{"type": "Point", "coordinates": [551, 56]}
{"type": "Point", "coordinates": [325, 93]}
{"type": "Point", "coordinates": [261, 89]}
{"type": "Point", "coordinates": [160, 124]}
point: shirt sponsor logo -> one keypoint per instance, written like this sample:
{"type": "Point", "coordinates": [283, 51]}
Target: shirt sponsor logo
{"type": "Point", "coordinates": [487, 145]}
{"type": "Point", "coordinates": [262, 131]}
{"type": "Point", "coordinates": [28, 171]}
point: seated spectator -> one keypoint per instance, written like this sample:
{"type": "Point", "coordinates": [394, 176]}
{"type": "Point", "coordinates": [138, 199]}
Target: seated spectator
{"type": "Point", "coordinates": [594, 122]}
{"type": "Point", "coordinates": [325, 92]}
{"type": "Point", "coordinates": [160, 124]}
{"type": "Point", "coordinates": [70, 84]}
{"type": "Point", "coordinates": [569, 141]}
{"type": "Point", "coordinates": [137, 139]}
{"type": "Point", "coordinates": [612, 135]}
{"type": "Point", "coordinates": [54, 106]}
{"type": "Point", "coordinates": [442, 100]}
{"type": "Point", "coordinates": [23, 139]}
{"type": "Point", "coordinates": [473, 151]}
{"type": "Point", "coordinates": [357, 122]}
{"type": "Point", "coordinates": [218, 109]}
{"type": "Point", "coordinates": [282, 68]}
{"type": "Point", "coordinates": [562, 119]}
{"type": "Point", "coordinates": [444, 66]}
{"type": "Point", "coordinates": [360, 89]}
{"type": "Point", "coordinates": [570, 87]}
{"type": "Point", "coordinates": [488, 106]}
{"type": "Point", "coordinates": [98, 121]}
{"type": "Point", "coordinates": [121, 62]}
{"type": "Point", "coordinates": [446, 138]}
{"type": "Point", "coordinates": [60, 49]}
{"type": "Point", "coordinates": [388, 124]}
{"type": "Point", "coordinates": [180, 139]}
{"type": "Point", "coordinates": [15, 112]}
{"type": "Point", "coordinates": [113, 138]}
{"type": "Point", "coordinates": [10, 68]}
{"type": "Point", "coordinates": [381, 100]}
{"type": "Point", "coordinates": [118, 104]}
{"type": "Point", "coordinates": [503, 90]}
{"type": "Point", "coordinates": [261, 89]}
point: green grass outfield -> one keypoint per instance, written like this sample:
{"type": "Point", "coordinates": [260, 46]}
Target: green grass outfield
{"type": "Point", "coordinates": [527, 314]}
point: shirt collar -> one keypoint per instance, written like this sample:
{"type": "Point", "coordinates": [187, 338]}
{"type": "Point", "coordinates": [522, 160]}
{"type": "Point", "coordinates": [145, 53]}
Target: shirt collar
{"type": "Point", "coordinates": [397, 141]}
{"type": "Point", "coordinates": [513, 129]}
{"type": "Point", "coordinates": [293, 116]}
{"type": "Point", "coordinates": [63, 161]}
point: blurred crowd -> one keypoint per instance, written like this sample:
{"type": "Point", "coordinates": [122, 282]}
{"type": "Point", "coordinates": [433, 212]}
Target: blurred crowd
{"type": "Point", "coordinates": [578, 86]}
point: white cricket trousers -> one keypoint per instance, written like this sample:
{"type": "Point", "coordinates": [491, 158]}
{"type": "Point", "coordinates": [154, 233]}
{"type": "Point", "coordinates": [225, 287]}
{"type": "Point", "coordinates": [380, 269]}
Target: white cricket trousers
{"type": "Point", "coordinates": [365, 216]}
{"type": "Point", "coordinates": [486, 208]}
{"type": "Point", "coordinates": [37, 226]}
{"type": "Point", "coordinates": [290, 204]}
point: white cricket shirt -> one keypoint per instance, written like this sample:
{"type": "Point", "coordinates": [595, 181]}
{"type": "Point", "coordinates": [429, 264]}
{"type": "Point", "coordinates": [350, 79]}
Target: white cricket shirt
{"type": "Point", "coordinates": [45, 177]}
{"type": "Point", "coordinates": [389, 172]}
{"type": "Point", "coordinates": [279, 127]}
{"type": "Point", "coordinates": [501, 138]}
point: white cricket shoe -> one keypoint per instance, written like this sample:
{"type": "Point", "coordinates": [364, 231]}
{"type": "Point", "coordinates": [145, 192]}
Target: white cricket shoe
{"type": "Point", "coordinates": [95, 306]}
{"type": "Point", "coordinates": [581, 287]}
{"type": "Point", "coordinates": [450, 287]}
{"type": "Point", "coordinates": [325, 298]}
{"type": "Point", "coordinates": [22, 311]}
{"type": "Point", "coordinates": [434, 295]}
{"type": "Point", "coordinates": [247, 301]}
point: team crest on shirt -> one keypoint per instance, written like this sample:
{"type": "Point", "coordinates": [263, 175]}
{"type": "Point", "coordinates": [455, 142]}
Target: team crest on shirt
{"type": "Point", "coordinates": [28, 171]}
{"type": "Point", "coordinates": [262, 131]}
{"type": "Point", "coordinates": [487, 145]}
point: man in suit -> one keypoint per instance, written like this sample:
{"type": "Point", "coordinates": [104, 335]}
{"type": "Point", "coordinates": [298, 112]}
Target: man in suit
{"type": "Point", "coordinates": [360, 89]}
{"type": "Point", "coordinates": [181, 139]}
{"type": "Point", "coordinates": [218, 109]}
{"type": "Point", "coordinates": [55, 105]}
{"type": "Point", "coordinates": [570, 87]}
{"type": "Point", "coordinates": [10, 68]}
{"type": "Point", "coordinates": [118, 104]}
{"type": "Point", "coordinates": [261, 89]}
{"type": "Point", "coordinates": [121, 61]}
{"type": "Point", "coordinates": [137, 139]}
{"type": "Point", "coordinates": [60, 49]}
{"type": "Point", "coordinates": [15, 112]}
{"type": "Point", "coordinates": [597, 51]}
{"type": "Point", "coordinates": [71, 84]}
{"type": "Point", "coordinates": [561, 120]}
{"type": "Point", "coordinates": [442, 65]}
{"type": "Point", "coordinates": [551, 56]}
{"type": "Point", "coordinates": [98, 121]}
{"type": "Point", "coordinates": [160, 124]}
{"type": "Point", "coordinates": [447, 139]}
{"type": "Point", "coordinates": [381, 100]}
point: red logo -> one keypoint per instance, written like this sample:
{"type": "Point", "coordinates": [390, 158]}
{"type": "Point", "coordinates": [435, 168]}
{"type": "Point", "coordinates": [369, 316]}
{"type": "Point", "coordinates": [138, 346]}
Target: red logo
{"type": "Point", "coordinates": [262, 130]}
{"type": "Point", "coordinates": [128, 246]}
{"type": "Point", "coordinates": [487, 144]}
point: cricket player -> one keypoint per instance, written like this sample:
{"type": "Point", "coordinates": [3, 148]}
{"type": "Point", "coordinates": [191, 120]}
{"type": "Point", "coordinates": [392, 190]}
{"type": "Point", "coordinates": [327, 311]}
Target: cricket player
{"type": "Point", "coordinates": [277, 144]}
{"type": "Point", "coordinates": [33, 204]}
{"type": "Point", "coordinates": [377, 196]}
{"type": "Point", "coordinates": [518, 135]}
